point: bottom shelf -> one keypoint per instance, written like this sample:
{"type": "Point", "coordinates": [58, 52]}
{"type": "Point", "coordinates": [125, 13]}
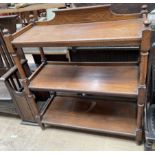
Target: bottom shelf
{"type": "Point", "coordinates": [93, 115]}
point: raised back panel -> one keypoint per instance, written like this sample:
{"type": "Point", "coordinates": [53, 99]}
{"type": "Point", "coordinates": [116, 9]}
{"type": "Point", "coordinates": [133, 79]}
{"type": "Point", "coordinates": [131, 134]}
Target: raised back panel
{"type": "Point", "coordinates": [87, 14]}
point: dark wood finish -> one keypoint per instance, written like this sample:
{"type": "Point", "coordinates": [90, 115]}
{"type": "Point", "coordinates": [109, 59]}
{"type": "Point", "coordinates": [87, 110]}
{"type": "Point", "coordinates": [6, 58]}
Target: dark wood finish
{"type": "Point", "coordinates": [121, 8]}
{"type": "Point", "coordinates": [23, 106]}
{"type": "Point", "coordinates": [6, 104]}
{"type": "Point", "coordinates": [8, 22]}
{"type": "Point", "coordinates": [12, 99]}
{"type": "Point", "coordinates": [114, 80]}
{"type": "Point", "coordinates": [95, 26]}
{"type": "Point", "coordinates": [149, 117]}
{"type": "Point", "coordinates": [144, 52]}
{"type": "Point", "coordinates": [51, 57]}
{"type": "Point", "coordinates": [10, 85]}
{"type": "Point", "coordinates": [1, 62]}
{"type": "Point", "coordinates": [95, 115]}
{"type": "Point", "coordinates": [19, 99]}
{"type": "Point", "coordinates": [104, 54]}
{"type": "Point", "coordinates": [43, 58]}
{"type": "Point", "coordinates": [149, 127]}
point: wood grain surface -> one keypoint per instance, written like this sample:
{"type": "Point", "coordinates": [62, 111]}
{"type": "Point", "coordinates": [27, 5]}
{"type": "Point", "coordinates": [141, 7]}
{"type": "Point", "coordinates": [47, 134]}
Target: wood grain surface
{"type": "Point", "coordinates": [116, 117]}
{"type": "Point", "coordinates": [97, 33]}
{"type": "Point", "coordinates": [116, 80]}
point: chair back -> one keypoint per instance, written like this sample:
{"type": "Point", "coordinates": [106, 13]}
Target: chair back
{"type": "Point", "coordinates": [6, 61]}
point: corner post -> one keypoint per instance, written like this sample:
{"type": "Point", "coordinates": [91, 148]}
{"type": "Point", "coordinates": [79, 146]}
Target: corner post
{"type": "Point", "coordinates": [144, 52]}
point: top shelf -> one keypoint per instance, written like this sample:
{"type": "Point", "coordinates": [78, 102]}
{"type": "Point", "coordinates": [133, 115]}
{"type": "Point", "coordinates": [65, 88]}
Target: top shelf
{"type": "Point", "coordinates": [93, 26]}
{"type": "Point", "coordinates": [127, 32]}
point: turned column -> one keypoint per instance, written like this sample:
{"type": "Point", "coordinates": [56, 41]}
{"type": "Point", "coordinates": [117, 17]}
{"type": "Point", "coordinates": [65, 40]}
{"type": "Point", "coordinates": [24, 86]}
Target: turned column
{"type": "Point", "coordinates": [144, 52]}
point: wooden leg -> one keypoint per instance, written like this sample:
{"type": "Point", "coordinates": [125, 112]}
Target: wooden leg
{"type": "Point", "coordinates": [140, 113]}
{"type": "Point", "coordinates": [139, 130]}
{"type": "Point", "coordinates": [38, 118]}
{"type": "Point", "coordinates": [139, 133]}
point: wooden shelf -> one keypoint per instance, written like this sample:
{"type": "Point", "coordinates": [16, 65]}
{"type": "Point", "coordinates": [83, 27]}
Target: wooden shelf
{"type": "Point", "coordinates": [109, 79]}
{"type": "Point", "coordinates": [94, 115]}
{"type": "Point", "coordinates": [92, 27]}
{"type": "Point", "coordinates": [126, 32]}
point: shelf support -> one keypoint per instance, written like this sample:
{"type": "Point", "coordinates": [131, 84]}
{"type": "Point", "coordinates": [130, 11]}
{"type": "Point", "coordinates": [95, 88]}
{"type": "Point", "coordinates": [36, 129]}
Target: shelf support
{"type": "Point", "coordinates": [43, 58]}
{"type": "Point", "coordinates": [144, 52]}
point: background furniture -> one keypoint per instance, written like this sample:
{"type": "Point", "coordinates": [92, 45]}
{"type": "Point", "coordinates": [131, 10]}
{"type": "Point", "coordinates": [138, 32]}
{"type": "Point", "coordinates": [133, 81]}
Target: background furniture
{"type": "Point", "coordinates": [8, 22]}
{"type": "Point", "coordinates": [30, 12]}
{"type": "Point", "coordinates": [12, 97]}
{"type": "Point", "coordinates": [51, 54]}
{"type": "Point", "coordinates": [77, 90]}
{"type": "Point", "coordinates": [32, 8]}
{"type": "Point", "coordinates": [149, 117]}
{"type": "Point", "coordinates": [149, 127]}
{"type": "Point", "coordinates": [119, 8]}
{"type": "Point", "coordinates": [6, 102]}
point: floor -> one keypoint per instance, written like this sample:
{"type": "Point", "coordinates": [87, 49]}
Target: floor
{"type": "Point", "coordinates": [15, 136]}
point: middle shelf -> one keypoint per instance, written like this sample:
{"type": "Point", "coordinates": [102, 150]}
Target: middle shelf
{"type": "Point", "coordinates": [104, 79]}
